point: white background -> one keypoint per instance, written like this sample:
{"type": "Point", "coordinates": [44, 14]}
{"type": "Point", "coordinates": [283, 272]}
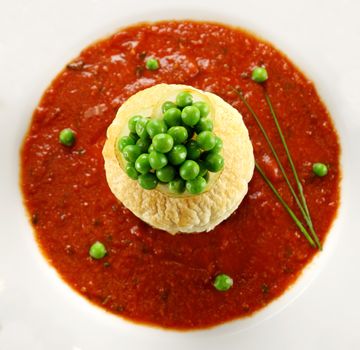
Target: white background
{"type": "Point", "coordinates": [37, 310]}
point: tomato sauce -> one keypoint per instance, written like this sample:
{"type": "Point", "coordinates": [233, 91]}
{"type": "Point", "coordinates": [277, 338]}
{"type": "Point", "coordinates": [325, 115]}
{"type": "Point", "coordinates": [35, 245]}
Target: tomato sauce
{"type": "Point", "coordinates": [148, 275]}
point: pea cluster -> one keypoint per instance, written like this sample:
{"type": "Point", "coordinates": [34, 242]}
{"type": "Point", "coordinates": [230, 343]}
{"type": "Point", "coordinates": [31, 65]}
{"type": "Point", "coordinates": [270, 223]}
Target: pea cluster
{"type": "Point", "coordinates": [179, 149]}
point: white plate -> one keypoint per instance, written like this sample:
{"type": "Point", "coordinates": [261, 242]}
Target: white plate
{"type": "Point", "coordinates": [39, 311]}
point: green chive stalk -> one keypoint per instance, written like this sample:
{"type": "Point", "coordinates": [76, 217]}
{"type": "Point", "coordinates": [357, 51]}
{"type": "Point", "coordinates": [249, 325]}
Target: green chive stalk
{"type": "Point", "coordinates": [286, 206]}
{"type": "Point", "coordinates": [303, 207]}
{"type": "Point", "coordinates": [307, 217]}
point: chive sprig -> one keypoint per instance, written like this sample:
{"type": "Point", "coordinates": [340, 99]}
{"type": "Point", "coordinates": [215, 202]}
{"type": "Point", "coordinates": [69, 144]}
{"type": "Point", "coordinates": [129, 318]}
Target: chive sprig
{"type": "Point", "coordinates": [305, 208]}
{"type": "Point", "coordinates": [312, 237]}
{"type": "Point", "coordinates": [286, 206]}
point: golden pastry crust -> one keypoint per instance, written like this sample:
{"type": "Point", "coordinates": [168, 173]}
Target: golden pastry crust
{"type": "Point", "coordinates": [190, 214]}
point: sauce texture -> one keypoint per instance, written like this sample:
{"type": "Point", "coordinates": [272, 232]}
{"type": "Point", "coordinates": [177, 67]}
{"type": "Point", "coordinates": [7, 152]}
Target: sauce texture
{"type": "Point", "coordinates": [148, 275]}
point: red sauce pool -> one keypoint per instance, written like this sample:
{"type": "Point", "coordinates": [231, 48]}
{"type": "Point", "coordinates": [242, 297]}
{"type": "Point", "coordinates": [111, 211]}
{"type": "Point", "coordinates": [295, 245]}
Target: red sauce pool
{"type": "Point", "coordinates": [148, 275]}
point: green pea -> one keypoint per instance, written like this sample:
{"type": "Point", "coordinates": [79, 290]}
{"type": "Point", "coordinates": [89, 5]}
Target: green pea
{"type": "Point", "coordinates": [152, 64]}
{"type": "Point", "coordinates": [259, 74]}
{"type": "Point", "coordinates": [172, 117]}
{"type": "Point", "coordinates": [97, 250]}
{"type": "Point", "coordinates": [142, 164]}
{"type": "Point", "coordinates": [178, 133]}
{"type": "Point", "coordinates": [196, 186]}
{"type": "Point", "coordinates": [131, 171]}
{"type": "Point", "coordinates": [151, 148]}
{"type": "Point", "coordinates": [156, 126]}
{"type": "Point", "coordinates": [167, 105]}
{"type": "Point", "coordinates": [193, 150]}
{"type": "Point", "coordinates": [184, 99]}
{"type": "Point", "coordinates": [204, 124]}
{"type": "Point", "coordinates": [67, 137]}
{"type": "Point", "coordinates": [166, 174]}
{"type": "Point", "coordinates": [320, 169]}
{"type": "Point", "coordinates": [148, 181]}
{"type": "Point", "coordinates": [206, 140]}
{"type": "Point", "coordinates": [125, 141]}
{"type": "Point", "coordinates": [223, 282]}
{"type": "Point", "coordinates": [157, 160]}
{"type": "Point", "coordinates": [177, 155]}
{"type": "Point", "coordinates": [131, 153]}
{"type": "Point", "coordinates": [163, 142]}
{"type": "Point", "coordinates": [132, 122]}
{"type": "Point", "coordinates": [189, 170]}
{"type": "Point", "coordinates": [141, 128]}
{"type": "Point", "coordinates": [190, 115]}
{"type": "Point", "coordinates": [218, 145]}
{"type": "Point", "coordinates": [177, 186]}
{"type": "Point", "coordinates": [143, 144]}
{"type": "Point", "coordinates": [203, 108]}
{"type": "Point", "coordinates": [214, 162]}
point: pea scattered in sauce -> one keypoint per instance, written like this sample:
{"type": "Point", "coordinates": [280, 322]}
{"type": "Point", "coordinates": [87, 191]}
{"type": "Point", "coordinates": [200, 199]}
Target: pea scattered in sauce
{"type": "Point", "coordinates": [223, 282]}
{"type": "Point", "coordinates": [152, 64]}
{"type": "Point", "coordinates": [320, 169]}
{"type": "Point", "coordinates": [97, 250]}
{"type": "Point", "coordinates": [259, 74]}
{"type": "Point", "coordinates": [67, 137]}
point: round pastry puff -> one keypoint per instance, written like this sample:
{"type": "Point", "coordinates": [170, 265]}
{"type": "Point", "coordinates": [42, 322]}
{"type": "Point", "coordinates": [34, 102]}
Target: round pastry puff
{"type": "Point", "coordinates": [189, 214]}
